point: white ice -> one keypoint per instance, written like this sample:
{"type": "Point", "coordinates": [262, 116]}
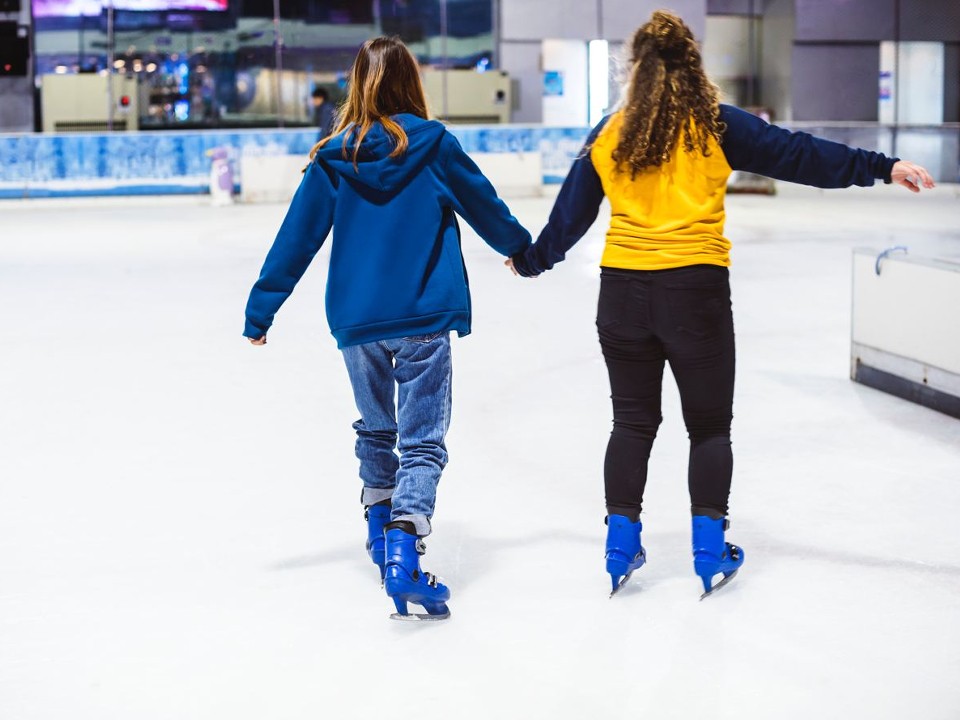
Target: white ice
{"type": "Point", "coordinates": [181, 538]}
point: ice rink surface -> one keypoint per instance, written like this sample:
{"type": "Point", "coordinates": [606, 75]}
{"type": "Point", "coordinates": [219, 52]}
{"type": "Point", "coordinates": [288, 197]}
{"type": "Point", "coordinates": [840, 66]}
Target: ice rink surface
{"type": "Point", "coordinates": [181, 538]}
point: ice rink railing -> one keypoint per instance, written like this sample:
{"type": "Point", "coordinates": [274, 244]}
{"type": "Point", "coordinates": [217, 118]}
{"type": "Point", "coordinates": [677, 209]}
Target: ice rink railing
{"type": "Point", "coordinates": [936, 147]}
{"type": "Point", "coordinates": [158, 162]}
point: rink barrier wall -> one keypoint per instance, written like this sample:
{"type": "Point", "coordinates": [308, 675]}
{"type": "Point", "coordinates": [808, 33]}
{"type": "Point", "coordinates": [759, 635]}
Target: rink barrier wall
{"type": "Point", "coordinates": [36, 165]}
{"type": "Point", "coordinates": [903, 340]}
{"type": "Point", "coordinates": [169, 163]}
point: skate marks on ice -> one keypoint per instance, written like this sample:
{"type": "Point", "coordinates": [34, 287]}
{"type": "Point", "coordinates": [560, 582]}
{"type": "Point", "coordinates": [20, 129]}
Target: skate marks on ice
{"type": "Point", "coordinates": [838, 557]}
{"type": "Point", "coordinates": [470, 556]}
{"type": "Point", "coordinates": [456, 546]}
{"type": "Point", "coordinates": [674, 566]}
{"type": "Point", "coordinates": [341, 554]}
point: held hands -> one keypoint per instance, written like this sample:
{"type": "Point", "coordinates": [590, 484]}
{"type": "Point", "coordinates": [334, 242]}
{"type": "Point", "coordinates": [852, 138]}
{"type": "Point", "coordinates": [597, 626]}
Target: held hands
{"type": "Point", "coordinates": [509, 263]}
{"type": "Point", "coordinates": [262, 340]}
{"type": "Point", "coordinates": [910, 175]}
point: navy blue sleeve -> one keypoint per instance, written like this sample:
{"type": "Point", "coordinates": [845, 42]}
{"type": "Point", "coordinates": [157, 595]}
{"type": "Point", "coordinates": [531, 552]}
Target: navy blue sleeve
{"type": "Point", "coordinates": [305, 227]}
{"type": "Point", "coordinates": [573, 213]}
{"type": "Point", "coordinates": [753, 145]}
{"type": "Point", "coordinates": [474, 198]}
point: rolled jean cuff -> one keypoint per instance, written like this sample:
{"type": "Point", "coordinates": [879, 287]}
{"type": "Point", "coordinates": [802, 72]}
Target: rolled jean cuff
{"type": "Point", "coordinates": [420, 522]}
{"type": "Point", "coordinates": [371, 495]}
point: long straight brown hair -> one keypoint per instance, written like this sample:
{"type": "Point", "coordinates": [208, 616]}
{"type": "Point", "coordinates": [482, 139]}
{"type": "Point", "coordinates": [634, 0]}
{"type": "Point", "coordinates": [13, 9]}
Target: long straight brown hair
{"type": "Point", "coordinates": [667, 88]}
{"type": "Point", "coordinates": [384, 81]}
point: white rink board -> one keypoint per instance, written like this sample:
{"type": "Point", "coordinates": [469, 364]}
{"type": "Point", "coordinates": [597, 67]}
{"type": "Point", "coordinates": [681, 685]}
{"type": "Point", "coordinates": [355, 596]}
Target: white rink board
{"type": "Point", "coordinates": [909, 309]}
{"type": "Point", "coordinates": [270, 178]}
{"type": "Point", "coordinates": [514, 174]}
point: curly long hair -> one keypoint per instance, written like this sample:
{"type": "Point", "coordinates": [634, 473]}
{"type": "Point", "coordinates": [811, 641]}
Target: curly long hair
{"type": "Point", "coordinates": [667, 88]}
{"type": "Point", "coordinates": [384, 81]}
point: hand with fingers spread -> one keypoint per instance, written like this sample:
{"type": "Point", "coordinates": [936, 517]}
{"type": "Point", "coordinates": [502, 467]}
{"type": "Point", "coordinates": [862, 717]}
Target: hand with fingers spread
{"type": "Point", "coordinates": [910, 175]}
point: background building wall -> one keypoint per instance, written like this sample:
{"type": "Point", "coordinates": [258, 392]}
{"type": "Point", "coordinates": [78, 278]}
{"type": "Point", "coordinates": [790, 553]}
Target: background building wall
{"type": "Point", "coordinates": [846, 21]}
{"type": "Point", "coordinates": [727, 56]}
{"type": "Point", "coordinates": [834, 81]}
{"type": "Point", "coordinates": [836, 54]}
{"type": "Point", "coordinates": [951, 82]}
{"type": "Point", "coordinates": [809, 60]}
{"type": "Point", "coordinates": [776, 59]}
{"type": "Point", "coordinates": [525, 24]}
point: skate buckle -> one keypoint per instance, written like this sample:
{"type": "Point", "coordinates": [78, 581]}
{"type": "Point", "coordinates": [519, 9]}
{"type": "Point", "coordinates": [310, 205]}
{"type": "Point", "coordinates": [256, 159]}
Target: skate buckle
{"type": "Point", "coordinates": [421, 547]}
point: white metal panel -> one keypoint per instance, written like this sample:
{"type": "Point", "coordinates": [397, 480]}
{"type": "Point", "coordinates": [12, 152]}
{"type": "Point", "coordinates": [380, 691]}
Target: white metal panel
{"type": "Point", "coordinates": [82, 100]}
{"type": "Point", "coordinates": [518, 174]}
{"type": "Point", "coordinates": [910, 309]}
{"type": "Point", "coordinates": [569, 59]}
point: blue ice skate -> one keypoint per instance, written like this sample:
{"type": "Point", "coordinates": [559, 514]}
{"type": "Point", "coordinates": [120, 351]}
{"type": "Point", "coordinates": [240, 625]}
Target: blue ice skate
{"type": "Point", "coordinates": [377, 516]}
{"type": "Point", "coordinates": [712, 554]}
{"type": "Point", "coordinates": [405, 582]}
{"type": "Point", "coordinates": [624, 551]}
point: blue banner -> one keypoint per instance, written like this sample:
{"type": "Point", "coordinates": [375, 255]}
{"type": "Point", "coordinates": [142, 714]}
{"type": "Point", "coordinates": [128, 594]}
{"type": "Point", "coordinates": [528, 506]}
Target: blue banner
{"type": "Point", "coordinates": [156, 163]}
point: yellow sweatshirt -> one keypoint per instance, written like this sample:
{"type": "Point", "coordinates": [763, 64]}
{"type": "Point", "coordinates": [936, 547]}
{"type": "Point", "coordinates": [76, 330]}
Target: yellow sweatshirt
{"type": "Point", "coordinates": [672, 216]}
{"type": "Point", "coordinates": [666, 217]}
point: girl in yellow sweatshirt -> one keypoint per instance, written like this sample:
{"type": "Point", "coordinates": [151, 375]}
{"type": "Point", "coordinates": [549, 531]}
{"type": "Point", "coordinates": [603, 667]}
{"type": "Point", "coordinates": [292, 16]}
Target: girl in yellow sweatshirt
{"type": "Point", "coordinates": [663, 161]}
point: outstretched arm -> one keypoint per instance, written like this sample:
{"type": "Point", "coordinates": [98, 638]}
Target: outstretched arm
{"type": "Point", "coordinates": [756, 146]}
{"type": "Point", "coordinates": [305, 227]}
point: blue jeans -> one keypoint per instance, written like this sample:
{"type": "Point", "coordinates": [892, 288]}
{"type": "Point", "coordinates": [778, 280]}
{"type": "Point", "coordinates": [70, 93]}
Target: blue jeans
{"type": "Point", "coordinates": [417, 371]}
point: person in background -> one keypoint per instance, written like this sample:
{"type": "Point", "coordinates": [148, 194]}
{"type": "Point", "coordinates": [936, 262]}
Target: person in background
{"type": "Point", "coordinates": [389, 182]}
{"type": "Point", "coordinates": [663, 160]}
{"type": "Point", "coordinates": [323, 111]}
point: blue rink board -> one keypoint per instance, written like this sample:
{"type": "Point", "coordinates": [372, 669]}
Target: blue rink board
{"type": "Point", "coordinates": [162, 163]}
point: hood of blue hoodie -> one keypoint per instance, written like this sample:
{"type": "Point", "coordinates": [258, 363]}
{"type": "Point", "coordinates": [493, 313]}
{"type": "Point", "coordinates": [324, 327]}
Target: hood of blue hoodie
{"type": "Point", "coordinates": [375, 168]}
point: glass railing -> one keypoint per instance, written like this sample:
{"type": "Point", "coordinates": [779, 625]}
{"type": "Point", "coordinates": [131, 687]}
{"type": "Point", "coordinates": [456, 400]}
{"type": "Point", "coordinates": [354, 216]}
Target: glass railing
{"type": "Point", "coordinates": [936, 147]}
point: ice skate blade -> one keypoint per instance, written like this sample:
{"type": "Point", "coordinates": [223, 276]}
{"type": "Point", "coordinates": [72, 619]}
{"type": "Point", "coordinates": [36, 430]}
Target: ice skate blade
{"type": "Point", "coordinates": [720, 584]}
{"type": "Point", "coordinates": [414, 617]}
{"type": "Point", "coordinates": [620, 585]}
{"type": "Point", "coordinates": [639, 560]}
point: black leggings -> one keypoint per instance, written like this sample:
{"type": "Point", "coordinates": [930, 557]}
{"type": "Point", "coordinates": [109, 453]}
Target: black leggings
{"type": "Point", "coordinates": [682, 316]}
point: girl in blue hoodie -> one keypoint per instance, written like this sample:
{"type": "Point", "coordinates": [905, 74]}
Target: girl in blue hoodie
{"type": "Point", "coordinates": [390, 183]}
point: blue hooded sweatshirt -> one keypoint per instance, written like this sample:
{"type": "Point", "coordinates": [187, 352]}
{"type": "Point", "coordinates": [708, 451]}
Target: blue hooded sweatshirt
{"type": "Point", "coordinates": [396, 268]}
